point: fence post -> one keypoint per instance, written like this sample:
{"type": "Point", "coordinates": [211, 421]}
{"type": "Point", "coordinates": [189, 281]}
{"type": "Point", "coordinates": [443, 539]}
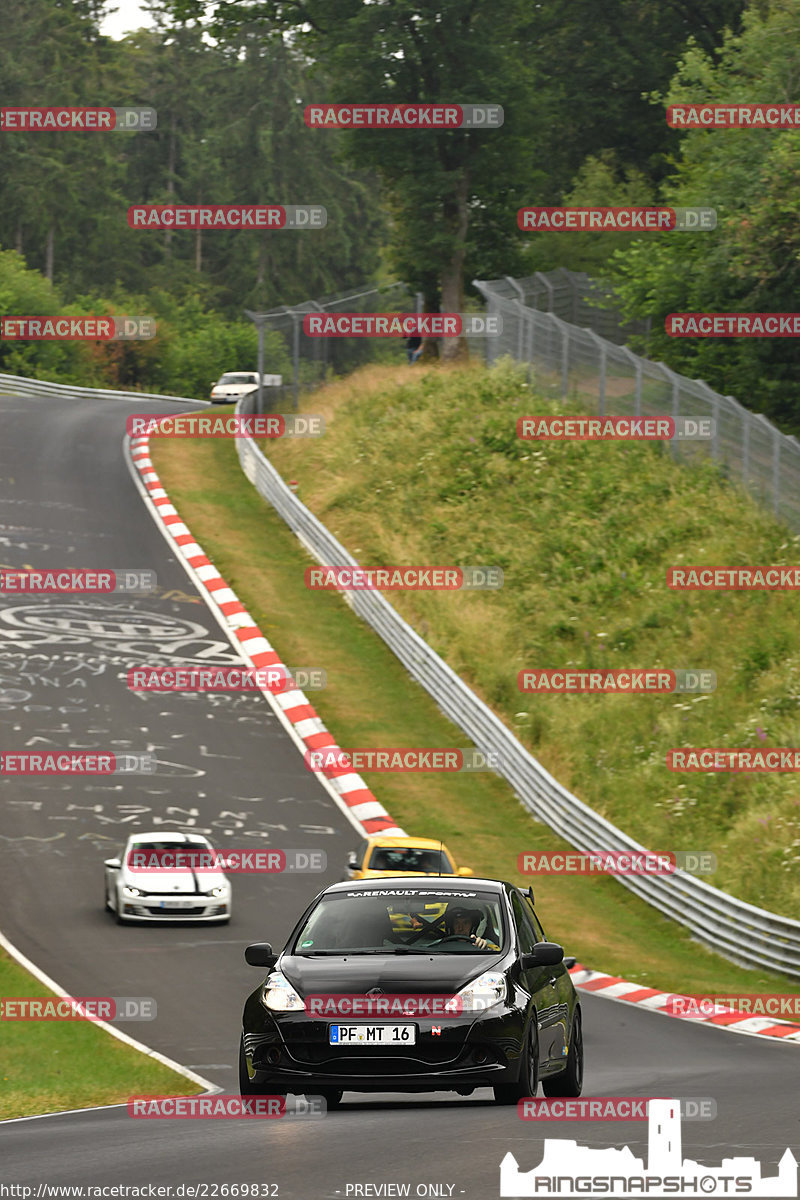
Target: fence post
{"type": "Point", "coordinates": [776, 471]}
{"type": "Point", "coordinates": [601, 385]}
{"type": "Point", "coordinates": [675, 382]}
{"type": "Point", "coordinates": [715, 400]}
{"type": "Point", "coordinates": [745, 444]}
{"type": "Point", "coordinates": [562, 325]}
{"type": "Point", "coordinates": [637, 366]}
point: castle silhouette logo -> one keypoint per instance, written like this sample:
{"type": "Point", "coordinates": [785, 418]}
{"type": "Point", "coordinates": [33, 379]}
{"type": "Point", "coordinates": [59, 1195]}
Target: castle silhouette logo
{"type": "Point", "coordinates": [568, 1169]}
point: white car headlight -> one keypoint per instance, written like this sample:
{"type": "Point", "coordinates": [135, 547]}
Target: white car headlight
{"type": "Point", "coordinates": [485, 991]}
{"type": "Point", "coordinates": [219, 891]}
{"type": "Point", "coordinates": [127, 890]}
{"type": "Point", "coordinates": [278, 995]}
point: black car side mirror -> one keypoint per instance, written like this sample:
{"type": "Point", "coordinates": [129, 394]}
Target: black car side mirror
{"type": "Point", "coordinates": [260, 955]}
{"type": "Point", "coordinates": [544, 954]}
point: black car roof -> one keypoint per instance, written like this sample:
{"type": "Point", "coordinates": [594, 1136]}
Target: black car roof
{"type": "Point", "coordinates": [433, 883]}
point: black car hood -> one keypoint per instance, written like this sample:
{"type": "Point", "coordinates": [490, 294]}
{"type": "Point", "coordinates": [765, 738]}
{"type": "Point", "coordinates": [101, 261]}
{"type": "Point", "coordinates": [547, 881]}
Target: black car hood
{"type": "Point", "coordinates": [394, 973]}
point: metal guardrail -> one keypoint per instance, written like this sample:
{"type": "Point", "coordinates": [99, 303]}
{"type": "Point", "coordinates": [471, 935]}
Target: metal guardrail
{"type": "Point", "coordinates": [18, 385]}
{"type": "Point", "coordinates": [741, 932]}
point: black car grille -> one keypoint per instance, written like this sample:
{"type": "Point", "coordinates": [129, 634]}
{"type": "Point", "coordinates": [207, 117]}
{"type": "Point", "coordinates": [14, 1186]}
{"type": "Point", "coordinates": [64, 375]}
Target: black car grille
{"type": "Point", "coordinates": [336, 1058]}
{"type": "Point", "coordinates": [142, 910]}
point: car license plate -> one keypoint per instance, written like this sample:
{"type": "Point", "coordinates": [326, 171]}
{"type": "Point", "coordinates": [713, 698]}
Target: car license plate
{"type": "Point", "coordinates": [373, 1035]}
{"type": "Point", "coordinates": [176, 904]}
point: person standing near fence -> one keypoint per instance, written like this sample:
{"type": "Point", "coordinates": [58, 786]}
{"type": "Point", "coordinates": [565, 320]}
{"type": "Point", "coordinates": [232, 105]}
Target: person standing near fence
{"type": "Point", "coordinates": [413, 348]}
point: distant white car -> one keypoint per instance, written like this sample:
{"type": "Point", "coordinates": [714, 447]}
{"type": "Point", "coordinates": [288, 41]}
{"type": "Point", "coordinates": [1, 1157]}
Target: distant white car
{"type": "Point", "coordinates": [188, 893]}
{"type": "Point", "coordinates": [235, 384]}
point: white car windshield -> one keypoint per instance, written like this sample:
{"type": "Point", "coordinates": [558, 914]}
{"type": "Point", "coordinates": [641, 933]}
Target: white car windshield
{"type": "Point", "coordinates": [238, 379]}
{"type": "Point", "coordinates": [199, 844]}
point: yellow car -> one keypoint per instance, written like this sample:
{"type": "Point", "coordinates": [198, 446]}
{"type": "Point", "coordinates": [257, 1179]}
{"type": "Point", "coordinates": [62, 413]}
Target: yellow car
{"type": "Point", "coordinates": [378, 857]}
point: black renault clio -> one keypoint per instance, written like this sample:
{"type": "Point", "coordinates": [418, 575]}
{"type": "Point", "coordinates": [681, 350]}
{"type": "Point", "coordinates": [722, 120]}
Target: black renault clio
{"type": "Point", "coordinates": [413, 985]}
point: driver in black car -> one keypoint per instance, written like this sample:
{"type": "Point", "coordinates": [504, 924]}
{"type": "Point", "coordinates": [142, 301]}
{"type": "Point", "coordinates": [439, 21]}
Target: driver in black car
{"type": "Point", "coordinates": [463, 922]}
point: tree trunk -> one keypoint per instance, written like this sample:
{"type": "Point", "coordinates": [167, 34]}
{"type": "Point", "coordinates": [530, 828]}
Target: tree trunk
{"type": "Point", "coordinates": [49, 253]}
{"type": "Point", "coordinates": [18, 242]}
{"type": "Point", "coordinates": [171, 154]}
{"type": "Point", "coordinates": [198, 251]}
{"type": "Point", "coordinates": [453, 273]}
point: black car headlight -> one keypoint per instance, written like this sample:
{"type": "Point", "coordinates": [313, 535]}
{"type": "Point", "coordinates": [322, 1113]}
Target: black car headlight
{"type": "Point", "coordinates": [278, 995]}
{"type": "Point", "coordinates": [482, 993]}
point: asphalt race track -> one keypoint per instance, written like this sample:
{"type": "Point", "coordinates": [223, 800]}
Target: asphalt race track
{"type": "Point", "coordinates": [227, 768]}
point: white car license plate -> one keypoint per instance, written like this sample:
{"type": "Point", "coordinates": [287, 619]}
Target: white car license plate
{"type": "Point", "coordinates": [177, 904]}
{"type": "Point", "coordinates": [373, 1035]}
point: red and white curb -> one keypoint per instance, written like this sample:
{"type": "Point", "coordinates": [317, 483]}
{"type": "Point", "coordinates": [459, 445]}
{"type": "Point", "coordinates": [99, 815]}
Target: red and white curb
{"type": "Point", "coordinates": [300, 718]}
{"type": "Point", "coordinates": [611, 987]}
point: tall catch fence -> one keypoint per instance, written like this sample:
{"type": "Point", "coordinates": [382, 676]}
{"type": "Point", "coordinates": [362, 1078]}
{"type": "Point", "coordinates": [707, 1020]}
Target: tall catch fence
{"type": "Point", "coordinates": [583, 359]}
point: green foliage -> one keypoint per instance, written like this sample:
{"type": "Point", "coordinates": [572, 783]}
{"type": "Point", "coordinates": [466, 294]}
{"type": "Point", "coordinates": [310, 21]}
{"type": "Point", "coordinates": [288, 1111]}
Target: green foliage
{"type": "Point", "coordinates": [751, 263]}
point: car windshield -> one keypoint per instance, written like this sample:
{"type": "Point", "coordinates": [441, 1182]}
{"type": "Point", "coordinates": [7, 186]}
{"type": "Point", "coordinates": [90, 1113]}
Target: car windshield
{"type": "Point", "coordinates": [237, 379]}
{"type": "Point", "coordinates": [403, 922]}
{"type": "Point", "coordinates": [409, 858]}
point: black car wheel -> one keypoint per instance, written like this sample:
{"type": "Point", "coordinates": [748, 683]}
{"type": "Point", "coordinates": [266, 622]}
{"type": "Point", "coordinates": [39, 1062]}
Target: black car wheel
{"type": "Point", "coordinates": [331, 1096]}
{"type": "Point", "coordinates": [510, 1093]}
{"type": "Point", "coordinates": [570, 1081]}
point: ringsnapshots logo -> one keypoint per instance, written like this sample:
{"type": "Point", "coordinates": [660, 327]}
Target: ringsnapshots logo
{"type": "Point", "coordinates": [616, 862]}
{"type": "Point", "coordinates": [627, 219]}
{"type": "Point", "coordinates": [394, 579]}
{"type": "Point", "coordinates": [235, 425]}
{"type": "Point", "coordinates": [226, 1107]}
{"type": "Point", "coordinates": [77, 329]}
{"type": "Point", "coordinates": [733, 116]}
{"type": "Point", "coordinates": [335, 761]}
{"type": "Point", "coordinates": [227, 216]}
{"type": "Point", "coordinates": [70, 582]}
{"type": "Point", "coordinates": [78, 1008]}
{"type": "Point", "coordinates": [733, 325]}
{"type": "Point", "coordinates": [562, 428]}
{"type": "Point", "coordinates": [403, 116]}
{"type": "Point", "coordinates": [54, 120]}
{"type": "Point", "coordinates": [402, 325]}
{"type": "Point", "coordinates": [70, 762]}
{"type": "Point", "coordinates": [276, 679]}
{"type": "Point", "coordinates": [233, 862]}
{"type": "Point", "coordinates": [655, 681]}
{"type": "Point", "coordinates": [568, 1169]}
